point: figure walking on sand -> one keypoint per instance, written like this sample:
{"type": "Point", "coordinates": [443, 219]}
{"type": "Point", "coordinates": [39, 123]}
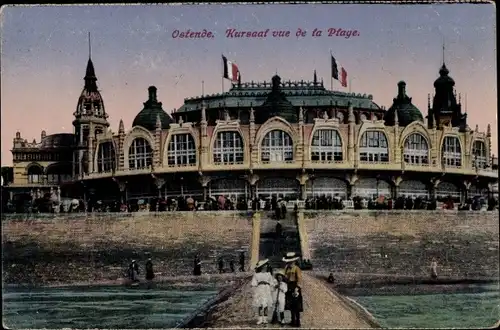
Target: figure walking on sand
{"type": "Point", "coordinates": [197, 266]}
{"type": "Point", "coordinates": [262, 282]}
{"type": "Point", "coordinates": [434, 269]}
{"type": "Point", "coordinates": [294, 300]}
{"type": "Point", "coordinates": [279, 293]}
{"type": "Point", "coordinates": [133, 271]}
{"type": "Point", "coordinates": [150, 275]}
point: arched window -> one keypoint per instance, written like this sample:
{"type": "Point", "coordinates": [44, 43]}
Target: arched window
{"type": "Point", "coordinates": [181, 150]}
{"type": "Point", "coordinates": [373, 147]}
{"type": "Point", "coordinates": [140, 154]}
{"type": "Point", "coordinates": [277, 146]}
{"type": "Point", "coordinates": [451, 152]}
{"type": "Point", "coordinates": [228, 148]}
{"type": "Point", "coordinates": [106, 160]}
{"type": "Point", "coordinates": [479, 151]}
{"type": "Point", "coordinates": [59, 172]}
{"type": "Point", "coordinates": [35, 174]}
{"type": "Point", "coordinates": [326, 146]}
{"type": "Point", "coordinates": [416, 150]}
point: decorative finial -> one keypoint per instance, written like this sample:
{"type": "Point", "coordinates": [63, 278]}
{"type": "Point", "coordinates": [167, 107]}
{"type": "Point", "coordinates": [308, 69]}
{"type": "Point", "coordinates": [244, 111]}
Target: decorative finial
{"type": "Point", "coordinates": [396, 118]}
{"type": "Point", "coordinates": [181, 121]}
{"type": "Point", "coordinates": [301, 115]}
{"type": "Point", "coordinates": [488, 130]}
{"type": "Point", "coordinates": [121, 127]}
{"type": "Point", "coordinates": [477, 128]}
{"type": "Point", "coordinates": [252, 115]}
{"type": "Point", "coordinates": [315, 79]}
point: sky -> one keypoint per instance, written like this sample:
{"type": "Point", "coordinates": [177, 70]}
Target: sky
{"type": "Point", "coordinates": [44, 53]}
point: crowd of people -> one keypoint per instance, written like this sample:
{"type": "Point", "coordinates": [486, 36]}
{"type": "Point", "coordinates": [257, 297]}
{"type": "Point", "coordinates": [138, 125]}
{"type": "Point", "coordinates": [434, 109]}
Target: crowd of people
{"type": "Point", "coordinates": [400, 203]}
{"type": "Point", "coordinates": [51, 203]}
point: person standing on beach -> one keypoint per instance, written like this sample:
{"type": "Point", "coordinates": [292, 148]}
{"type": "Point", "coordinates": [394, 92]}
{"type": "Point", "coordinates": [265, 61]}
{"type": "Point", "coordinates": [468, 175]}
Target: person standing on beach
{"type": "Point", "coordinates": [150, 275]}
{"type": "Point", "coordinates": [197, 266]}
{"type": "Point", "coordinates": [434, 269]}
{"type": "Point", "coordinates": [221, 265]}
{"type": "Point", "coordinates": [242, 261]}
{"type": "Point", "coordinates": [134, 271]}
{"type": "Point", "coordinates": [262, 282]}
{"type": "Point", "coordinates": [294, 300]}
{"type": "Point", "coordinates": [279, 292]}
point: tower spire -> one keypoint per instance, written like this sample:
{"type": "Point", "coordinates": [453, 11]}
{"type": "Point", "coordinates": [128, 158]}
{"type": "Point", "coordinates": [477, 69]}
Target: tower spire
{"type": "Point", "coordinates": [443, 51]}
{"type": "Point", "coordinates": [90, 48]}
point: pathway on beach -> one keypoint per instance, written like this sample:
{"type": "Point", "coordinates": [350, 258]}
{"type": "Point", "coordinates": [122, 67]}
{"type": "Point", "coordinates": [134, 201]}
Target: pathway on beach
{"type": "Point", "coordinates": [323, 308]}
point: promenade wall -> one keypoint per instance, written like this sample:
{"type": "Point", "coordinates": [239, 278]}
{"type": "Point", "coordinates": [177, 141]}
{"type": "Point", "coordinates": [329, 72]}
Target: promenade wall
{"type": "Point", "coordinates": [465, 244]}
{"type": "Point", "coordinates": [65, 248]}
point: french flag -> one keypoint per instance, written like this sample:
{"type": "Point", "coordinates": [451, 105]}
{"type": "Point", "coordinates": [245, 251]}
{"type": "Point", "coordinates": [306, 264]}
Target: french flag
{"type": "Point", "coordinates": [231, 70]}
{"type": "Point", "coordinates": [336, 69]}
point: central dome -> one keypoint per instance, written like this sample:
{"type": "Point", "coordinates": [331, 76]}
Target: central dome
{"type": "Point", "coordinates": [406, 111]}
{"type": "Point", "coordinates": [152, 109]}
{"type": "Point", "coordinates": [277, 104]}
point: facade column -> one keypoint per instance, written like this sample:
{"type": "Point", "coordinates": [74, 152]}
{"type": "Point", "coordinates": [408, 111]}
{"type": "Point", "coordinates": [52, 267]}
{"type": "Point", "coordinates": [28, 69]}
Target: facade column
{"type": "Point", "coordinates": [159, 182]}
{"type": "Point", "coordinates": [351, 181]}
{"type": "Point", "coordinates": [396, 181]}
{"type": "Point", "coordinates": [465, 189]}
{"type": "Point", "coordinates": [433, 187]}
{"type": "Point", "coordinates": [303, 178]}
{"type": "Point", "coordinates": [122, 186]}
{"type": "Point", "coordinates": [252, 181]}
{"type": "Point", "coordinates": [205, 181]}
{"type": "Point", "coordinates": [253, 191]}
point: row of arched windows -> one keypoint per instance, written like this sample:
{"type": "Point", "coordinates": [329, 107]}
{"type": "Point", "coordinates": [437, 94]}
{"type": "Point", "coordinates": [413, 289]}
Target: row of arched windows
{"type": "Point", "coordinates": [277, 146]}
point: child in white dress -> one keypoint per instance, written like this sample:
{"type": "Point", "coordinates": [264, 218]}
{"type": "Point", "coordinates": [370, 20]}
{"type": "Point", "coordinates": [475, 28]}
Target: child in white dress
{"type": "Point", "coordinates": [279, 294]}
{"type": "Point", "coordinates": [262, 282]}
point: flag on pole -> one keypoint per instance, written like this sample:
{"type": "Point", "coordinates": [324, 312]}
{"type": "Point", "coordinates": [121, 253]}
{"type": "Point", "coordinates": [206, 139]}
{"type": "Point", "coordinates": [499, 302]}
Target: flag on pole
{"type": "Point", "coordinates": [231, 70]}
{"type": "Point", "coordinates": [338, 72]}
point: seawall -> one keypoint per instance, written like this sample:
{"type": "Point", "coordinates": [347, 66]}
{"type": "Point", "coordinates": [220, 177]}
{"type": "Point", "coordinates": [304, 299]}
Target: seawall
{"type": "Point", "coordinates": [465, 244]}
{"type": "Point", "coordinates": [65, 248]}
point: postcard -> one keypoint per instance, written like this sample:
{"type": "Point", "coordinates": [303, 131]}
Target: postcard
{"type": "Point", "coordinates": [326, 165]}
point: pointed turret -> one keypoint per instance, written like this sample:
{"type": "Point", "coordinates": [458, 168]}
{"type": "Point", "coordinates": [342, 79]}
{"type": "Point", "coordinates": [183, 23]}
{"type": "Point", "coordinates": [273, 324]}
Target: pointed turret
{"type": "Point", "coordinates": [121, 127]}
{"type": "Point", "coordinates": [315, 79]}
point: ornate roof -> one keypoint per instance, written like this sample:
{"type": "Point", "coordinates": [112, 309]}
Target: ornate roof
{"type": "Point", "coordinates": [152, 109]}
{"type": "Point", "coordinates": [406, 111]}
{"type": "Point", "coordinates": [443, 79]}
{"type": "Point", "coordinates": [276, 104]}
{"type": "Point", "coordinates": [60, 140]}
{"type": "Point", "coordinates": [298, 93]}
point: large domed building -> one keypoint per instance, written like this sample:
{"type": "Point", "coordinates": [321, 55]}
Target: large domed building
{"type": "Point", "coordinates": [281, 138]}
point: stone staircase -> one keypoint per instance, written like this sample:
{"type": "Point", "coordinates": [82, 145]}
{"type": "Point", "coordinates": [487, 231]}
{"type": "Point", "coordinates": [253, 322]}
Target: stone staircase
{"type": "Point", "coordinates": [270, 246]}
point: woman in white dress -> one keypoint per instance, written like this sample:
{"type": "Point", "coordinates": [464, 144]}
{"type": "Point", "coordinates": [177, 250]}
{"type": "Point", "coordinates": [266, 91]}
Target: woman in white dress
{"type": "Point", "coordinates": [279, 292]}
{"type": "Point", "coordinates": [262, 283]}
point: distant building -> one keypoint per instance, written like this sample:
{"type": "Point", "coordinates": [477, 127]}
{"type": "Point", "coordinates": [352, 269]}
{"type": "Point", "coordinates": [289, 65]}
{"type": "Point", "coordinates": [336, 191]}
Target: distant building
{"type": "Point", "coordinates": [292, 139]}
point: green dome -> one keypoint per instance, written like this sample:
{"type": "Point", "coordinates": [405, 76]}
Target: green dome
{"type": "Point", "coordinates": [407, 112]}
{"type": "Point", "coordinates": [152, 108]}
{"type": "Point", "coordinates": [277, 104]}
